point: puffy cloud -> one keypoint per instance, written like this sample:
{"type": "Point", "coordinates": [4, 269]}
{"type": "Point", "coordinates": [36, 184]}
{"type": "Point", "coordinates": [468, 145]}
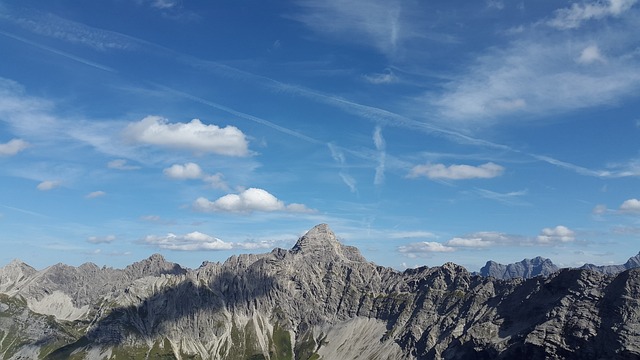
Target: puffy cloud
{"type": "Point", "coordinates": [423, 247]}
{"type": "Point", "coordinates": [194, 136]}
{"type": "Point", "coordinates": [590, 54]}
{"type": "Point", "coordinates": [13, 147]}
{"type": "Point", "coordinates": [485, 239]}
{"type": "Point", "coordinates": [95, 194]}
{"type": "Point", "coordinates": [631, 205]}
{"type": "Point", "coordinates": [470, 242]}
{"type": "Point", "coordinates": [560, 234]}
{"type": "Point", "coordinates": [182, 172]}
{"type": "Point", "coordinates": [101, 239]}
{"type": "Point", "coordinates": [249, 200]}
{"type": "Point", "coordinates": [194, 241]}
{"type": "Point", "coordinates": [456, 172]}
{"type": "Point", "coordinates": [121, 164]}
{"type": "Point", "coordinates": [48, 185]}
{"type": "Point", "coordinates": [573, 17]}
{"type": "Point", "coordinates": [191, 171]}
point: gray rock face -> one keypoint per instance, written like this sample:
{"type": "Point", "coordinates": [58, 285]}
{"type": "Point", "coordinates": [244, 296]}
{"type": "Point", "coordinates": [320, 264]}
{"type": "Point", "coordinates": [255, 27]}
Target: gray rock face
{"type": "Point", "coordinates": [319, 300]}
{"type": "Point", "coordinates": [632, 263]}
{"type": "Point", "coordinates": [526, 268]}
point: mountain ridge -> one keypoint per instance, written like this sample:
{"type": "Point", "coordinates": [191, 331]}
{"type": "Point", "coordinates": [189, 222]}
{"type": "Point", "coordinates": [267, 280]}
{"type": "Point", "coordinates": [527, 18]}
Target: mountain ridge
{"type": "Point", "coordinates": [316, 301]}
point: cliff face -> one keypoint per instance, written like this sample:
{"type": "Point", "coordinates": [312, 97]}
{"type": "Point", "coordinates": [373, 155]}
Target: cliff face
{"type": "Point", "coordinates": [526, 268]}
{"type": "Point", "coordinates": [319, 300]}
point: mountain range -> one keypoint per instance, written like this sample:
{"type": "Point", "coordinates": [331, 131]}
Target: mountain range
{"type": "Point", "coordinates": [320, 299]}
{"type": "Point", "coordinates": [539, 266]}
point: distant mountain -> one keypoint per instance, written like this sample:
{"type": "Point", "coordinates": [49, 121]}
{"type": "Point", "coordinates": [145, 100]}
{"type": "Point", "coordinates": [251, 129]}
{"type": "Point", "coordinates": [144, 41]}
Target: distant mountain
{"type": "Point", "coordinates": [526, 268]}
{"type": "Point", "coordinates": [319, 300]}
{"type": "Point", "coordinates": [529, 268]}
{"type": "Point", "coordinates": [632, 263]}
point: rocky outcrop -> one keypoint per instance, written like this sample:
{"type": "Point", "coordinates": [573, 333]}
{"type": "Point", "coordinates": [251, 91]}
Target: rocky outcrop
{"type": "Point", "coordinates": [526, 268]}
{"type": "Point", "coordinates": [323, 300]}
{"type": "Point", "coordinates": [632, 263]}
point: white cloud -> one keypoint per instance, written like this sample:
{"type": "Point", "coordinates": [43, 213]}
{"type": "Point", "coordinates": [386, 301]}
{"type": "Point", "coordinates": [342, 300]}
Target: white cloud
{"type": "Point", "coordinates": [48, 185]}
{"type": "Point", "coordinates": [573, 17]}
{"type": "Point", "coordinates": [591, 54]}
{"type": "Point", "coordinates": [350, 181]}
{"type": "Point", "coordinates": [190, 171]}
{"type": "Point", "coordinates": [121, 164]}
{"type": "Point", "coordinates": [536, 74]}
{"type": "Point", "coordinates": [483, 239]}
{"type": "Point", "coordinates": [470, 242]}
{"type": "Point", "coordinates": [247, 201]}
{"type": "Point", "coordinates": [194, 241]}
{"type": "Point", "coordinates": [13, 147]}
{"type": "Point", "coordinates": [559, 234]}
{"type": "Point", "coordinates": [183, 172]}
{"type": "Point", "coordinates": [631, 205]}
{"type": "Point", "coordinates": [194, 136]}
{"type": "Point", "coordinates": [371, 22]}
{"type": "Point", "coordinates": [101, 239]}
{"type": "Point", "coordinates": [95, 194]}
{"type": "Point", "coordinates": [456, 172]}
{"type": "Point", "coordinates": [414, 249]}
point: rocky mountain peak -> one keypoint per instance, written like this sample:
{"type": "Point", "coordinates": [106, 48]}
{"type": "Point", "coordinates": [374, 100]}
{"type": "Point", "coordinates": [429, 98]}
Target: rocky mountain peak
{"type": "Point", "coordinates": [319, 238]}
{"type": "Point", "coordinates": [154, 265]}
{"type": "Point", "coordinates": [321, 241]}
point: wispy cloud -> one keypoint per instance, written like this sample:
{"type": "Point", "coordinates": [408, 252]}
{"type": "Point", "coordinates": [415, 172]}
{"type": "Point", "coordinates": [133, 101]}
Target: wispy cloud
{"type": "Point", "coordinates": [375, 22]}
{"type": "Point", "coordinates": [578, 13]}
{"type": "Point", "coordinates": [48, 185]}
{"type": "Point", "coordinates": [380, 144]}
{"type": "Point", "coordinates": [121, 164]}
{"type": "Point", "coordinates": [61, 53]}
{"type": "Point", "coordinates": [338, 155]}
{"type": "Point", "coordinates": [456, 172]}
{"type": "Point", "coordinates": [12, 147]}
{"type": "Point", "coordinates": [509, 198]}
{"type": "Point", "coordinates": [95, 194]}
{"type": "Point", "coordinates": [535, 74]}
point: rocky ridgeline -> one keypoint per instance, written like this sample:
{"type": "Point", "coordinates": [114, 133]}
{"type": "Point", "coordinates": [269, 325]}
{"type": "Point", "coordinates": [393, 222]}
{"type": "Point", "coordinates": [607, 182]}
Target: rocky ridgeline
{"type": "Point", "coordinates": [319, 300]}
{"type": "Point", "coordinates": [539, 266]}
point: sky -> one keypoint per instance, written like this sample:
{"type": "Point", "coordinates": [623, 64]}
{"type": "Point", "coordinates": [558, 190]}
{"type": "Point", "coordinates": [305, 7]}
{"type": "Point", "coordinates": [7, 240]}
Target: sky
{"type": "Point", "coordinates": [422, 132]}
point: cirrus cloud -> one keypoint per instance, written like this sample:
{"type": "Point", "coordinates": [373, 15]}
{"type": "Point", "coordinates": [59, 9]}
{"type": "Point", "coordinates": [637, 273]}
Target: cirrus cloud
{"type": "Point", "coordinates": [247, 201]}
{"type": "Point", "coordinates": [456, 172]}
{"type": "Point", "coordinates": [194, 135]}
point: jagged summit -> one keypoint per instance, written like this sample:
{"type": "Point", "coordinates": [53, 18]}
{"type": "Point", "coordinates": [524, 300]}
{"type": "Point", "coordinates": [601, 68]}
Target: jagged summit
{"type": "Point", "coordinates": [321, 241]}
{"type": "Point", "coordinates": [320, 237]}
{"type": "Point", "coordinates": [527, 268]}
{"type": "Point", "coordinates": [154, 265]}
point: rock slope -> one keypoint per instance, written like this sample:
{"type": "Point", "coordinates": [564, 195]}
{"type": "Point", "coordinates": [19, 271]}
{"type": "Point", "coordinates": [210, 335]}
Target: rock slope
{"type": "Point", "coordinates": [319, 300]}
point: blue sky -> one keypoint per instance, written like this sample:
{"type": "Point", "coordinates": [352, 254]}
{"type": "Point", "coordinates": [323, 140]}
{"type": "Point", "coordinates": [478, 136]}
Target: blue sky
{"type": "Point", "coordinates": [421, 132]}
